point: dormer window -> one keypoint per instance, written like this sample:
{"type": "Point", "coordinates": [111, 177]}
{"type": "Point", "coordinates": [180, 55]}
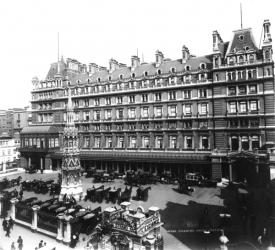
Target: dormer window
{"type": "Point", "coordinates": [251, 58]}
{"type": "Point", "coordinates": [89, 81]}
{"type": "Point", "coordinates": [246, 48]}
{"type": "Point", "coordinates": [159, 72]}
{"type": "Point", "coordinates": [187, 67]}
{"type": "Point", "coordinates": [98, 79]}
{"type": "Point", "coordinates": [173, 70]}
{"type": "Point", "coordinates": [121, 77]}
{"type": "Point", "coordinates": [110, 78]}
{"type": "Point", "coordinates": [231, 61]}
{"type": "Point", "coordinates": [241, 59]}
{"type": "Point", "coordinates": [146, 73]}
{"type": "Point", "coordinates": [202, 66]}
{"type": "Point", "coordinates": [133, 75]}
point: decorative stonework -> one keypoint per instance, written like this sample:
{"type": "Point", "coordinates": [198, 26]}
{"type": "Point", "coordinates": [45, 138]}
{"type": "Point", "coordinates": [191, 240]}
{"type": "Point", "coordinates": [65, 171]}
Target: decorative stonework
{"type": "Point", "coordinates": [71, 182]}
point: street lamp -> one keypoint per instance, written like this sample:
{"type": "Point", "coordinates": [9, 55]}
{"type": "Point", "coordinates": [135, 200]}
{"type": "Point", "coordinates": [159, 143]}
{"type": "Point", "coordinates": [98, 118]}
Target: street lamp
{"type": "Point", "coordinates": [224, 240]}
{"type": "Point", "coordinates": [206, 233]}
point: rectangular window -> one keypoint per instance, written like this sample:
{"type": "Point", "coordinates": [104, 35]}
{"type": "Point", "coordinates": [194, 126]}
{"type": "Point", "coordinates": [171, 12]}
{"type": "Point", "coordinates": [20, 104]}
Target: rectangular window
{"type": "Point", "coordinates": [231, 91]}
{"type": "Point", "coordinates": [252, 89]}
{"type": "Point", "coordinates": [131, 112]}
{"type": "Point", "coordinates": [119, 127]}
{"type": "Point", "coordinates": [108, 100]}
{"type": "Point", "coordinates": [87, 115]}
{"type": "Point", "coordinates": [86, 142]}
{"type": "Point", "coordinates": [232, 107]}
{"type": "Point", "coordinates": [255, 142]}
{"type": "Point", "coordinates": [119, 100]}
{"type": "Point", "coordinates": [187, 94]}
{"type": "Point", "coordinates": [131, 99]}
{"type": "Point", "coordinates": [97, 102]}
{"type": "Point", "coordinates": [158, 96]}
{"type": "Point", "coordinates": [203, 93]}
{"type": "Point", "coordinates": [144, 112]}
{"type": "Point", "coordinates": [243, 107]}
{"type": "Point", "coordinates": [97, 142]}
{"type": "Point", "coordinates": [172, 95]}
{"type": "Point", "coordinates": [234, 143]}
{"type": "Point", "coordinates": [108, 114]}
{"type": "Point", "coordinates": [120, 114]}
{"type": "Point", "coordinates": [242, 90]}
{"type": "Point", "coordinates": [132, 142]}
{"type": "Point", "coordinates": [204, 142]}
{"type": "Point", "coordinates": [188, 142]}
{"type": "Point", "coordinates": [97, 127]}
{"type": "Point", "coordinates": [159, 142]}
{"type": "Point", "coordinates": [203, 108]}
{"type": "Point", "coordinates": [145, 141]}
{"type": "Point", "coordinates": [132, 126]}
{"type": "Point", "coordinates": [120, 142]}
{"type": "Point", "coordinates": [158, 111]}
{"type": "Point", "coordinates": [144, 98]}
{"type": "Point", "coordinates": [172, 111]}
{"type": "Point", "coordinates": [108, 142]}
{"type": "Point", "coordinates": [245, 143]}
{"type": "Point", "coordinates": [97, 115]}
{"type": "Point", "coordinates": [145, 126]}
{"type": "Point", "coordinates": [187, 108]}
{"type": "Point", "coordinates": [253, 106]}
{"type": "Point", "coordinates": [172, 141]}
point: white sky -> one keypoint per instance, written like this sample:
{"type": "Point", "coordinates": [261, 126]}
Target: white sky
{"type": "Point", "coordinates": [97, 30]}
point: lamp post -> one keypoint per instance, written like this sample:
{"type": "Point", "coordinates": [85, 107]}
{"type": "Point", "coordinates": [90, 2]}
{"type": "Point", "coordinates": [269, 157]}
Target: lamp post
{"type": "Point", "coordinates": [206, 233]}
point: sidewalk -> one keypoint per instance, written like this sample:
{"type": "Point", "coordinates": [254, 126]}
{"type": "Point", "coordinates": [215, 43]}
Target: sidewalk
{"type": "Point", "coordinates": [30, 239]}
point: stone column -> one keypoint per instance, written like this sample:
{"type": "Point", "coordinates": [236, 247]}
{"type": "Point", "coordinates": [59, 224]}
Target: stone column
{"type": "Point", "coordinates": [13, 202]}
{"type": "Point", "coordinates": [67, 236]}
{"type": "Point", "coordinates": [35, 208]}
{"type": "Point", "coordinates": [59, 236]}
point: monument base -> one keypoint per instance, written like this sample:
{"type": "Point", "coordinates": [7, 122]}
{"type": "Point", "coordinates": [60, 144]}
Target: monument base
{"type": "Point", "coordinates": [75, 191]}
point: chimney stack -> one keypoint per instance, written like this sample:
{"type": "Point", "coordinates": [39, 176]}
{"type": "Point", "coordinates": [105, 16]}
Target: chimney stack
{"type": "Point", "coordinates": [135, 61]}
{"type": "Point", "coordinates": [185, 54]}
{"type": "Point", "coordinates": [159, 57]}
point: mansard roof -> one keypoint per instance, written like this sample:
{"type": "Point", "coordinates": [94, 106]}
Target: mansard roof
{"type": "Point", "coordinates": [77, 77]}
{"type": "Point", "coordinates": [241, 42]}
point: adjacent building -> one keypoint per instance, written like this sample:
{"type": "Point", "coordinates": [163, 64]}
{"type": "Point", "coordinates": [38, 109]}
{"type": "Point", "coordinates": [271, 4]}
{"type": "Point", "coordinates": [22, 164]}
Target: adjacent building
{"type": "Point", "coordinates": [208, 114]}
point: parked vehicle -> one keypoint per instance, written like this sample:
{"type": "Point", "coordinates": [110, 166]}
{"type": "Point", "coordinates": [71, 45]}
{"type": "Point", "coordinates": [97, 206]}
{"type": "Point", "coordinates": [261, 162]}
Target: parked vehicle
{"type": "Point", "coordinates": [31, 169]}
{"type": "Point", "coordinates": [193, 179]}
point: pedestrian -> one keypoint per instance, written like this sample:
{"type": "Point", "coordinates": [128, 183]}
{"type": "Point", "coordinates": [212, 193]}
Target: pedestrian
{"type": "Point", "coordinates": [40, 244]}
{"type": "Point", "coordinates": [20, 243]}
{"type": "Point", "coordinates": [12, 246]}
{"type": "Point", "coordinates": [11, 223]}
{"type": "Point", "coordinates": [5, 224]}
{"type": "Point", "coordinates": [21, 193]}
{"type": "Point", "coordinates": [263, 239]}
{"type": "Point", "coordinates": [8, 230]}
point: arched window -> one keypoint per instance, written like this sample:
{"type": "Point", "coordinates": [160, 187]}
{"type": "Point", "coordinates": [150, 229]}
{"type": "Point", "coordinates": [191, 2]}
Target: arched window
{"type": "Point", "coordinates": [110, 78]}
{"type": "Point", "coordinates": [187, 67]}
{"type": "Point", "coordinates": [202, 66]}
{"type": "Point", "coordinates": [231, 60]}
{"type": "Point", "coordinates": [159, 72]}
{"type": "Point", "coordinates": [121, 77]}
{"type": "Point", "coordinates": [98, 79]}
{"type": "Point", "coordinates": [173, 70]}
{"type": "Point", "coordinates": [133, 75]}
{"type": "Point", "coordinates": [146, 73]}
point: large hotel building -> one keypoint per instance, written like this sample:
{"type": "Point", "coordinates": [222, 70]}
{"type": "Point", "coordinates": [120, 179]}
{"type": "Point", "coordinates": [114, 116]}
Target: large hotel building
{"type": "Point", "coordinates": [211, 114]}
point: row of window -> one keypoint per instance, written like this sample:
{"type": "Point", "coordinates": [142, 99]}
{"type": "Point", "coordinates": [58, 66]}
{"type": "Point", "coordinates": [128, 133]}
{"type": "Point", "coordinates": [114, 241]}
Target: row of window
{"type": "Point", "coordinates": [132, 142]}
{"type": "Point", "coordinates": [243, 106]}
{"type": "Point", "coordinates": [244, 142]}
{"type": "Point", "coordinates": [39, 142]}
{"type": "Point", "coordinates": [242, 90]}
{"type": "Point", "coordinates": [172, 111]}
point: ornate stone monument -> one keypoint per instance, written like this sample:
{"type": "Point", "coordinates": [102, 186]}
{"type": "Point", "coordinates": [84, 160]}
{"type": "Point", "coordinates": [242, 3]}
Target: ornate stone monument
{"type": "Point", "coordinates": [71, 185]}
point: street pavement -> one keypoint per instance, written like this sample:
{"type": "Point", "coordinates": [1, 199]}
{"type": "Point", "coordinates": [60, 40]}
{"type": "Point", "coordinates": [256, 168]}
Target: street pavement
{"type": "Point", "coordinates": [175, 208]}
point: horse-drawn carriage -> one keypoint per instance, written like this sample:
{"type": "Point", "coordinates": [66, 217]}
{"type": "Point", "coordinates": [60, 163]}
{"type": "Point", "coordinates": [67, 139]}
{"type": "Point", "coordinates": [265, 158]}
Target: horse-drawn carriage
{"type": "Point", "coordinates": [183, 187]}
{"type": "Point", "coordinates": [6, 183]}
{"type": "Point", "coordinates": [91, 193]}
{"type": "Point", "coordinates": [86, 220]}
{"type": "Point", "coordinates": [114, 194]}
{"type": "Point", "coordinates": [55, 189]}
{"type": "Point", "coordinates": [140, 178]}
{"type": "Point", "coordinates": [42, 186]}
{"type": "Point", "coordinates": [126, 194]}
{"type": "Point", "coordinates": [101, 194]}
{"type": "Point", "coordinates": [142, 193]}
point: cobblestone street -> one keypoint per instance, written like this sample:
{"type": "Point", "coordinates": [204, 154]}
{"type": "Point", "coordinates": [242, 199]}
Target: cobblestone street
{"type": "Point", "coordinates": [174, 209]}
